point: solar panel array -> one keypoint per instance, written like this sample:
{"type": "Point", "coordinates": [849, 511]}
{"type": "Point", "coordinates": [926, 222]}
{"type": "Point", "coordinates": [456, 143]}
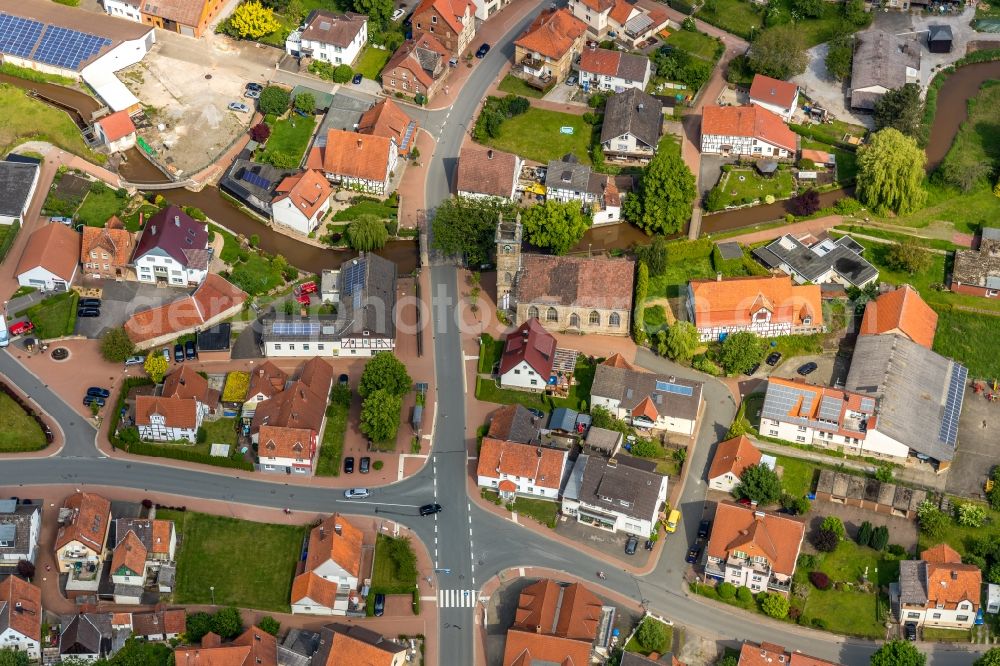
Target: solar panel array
{"type": "Point", "coordinates": [867, 405]}
{"type": "Point", "coordinates": [953, 405]}
{"type": "Point", "coordinates": [255, 179]}
{"type": "Point", "coordinates": [781, 400]}
{"type": "Point", "coordinates": [18, 36]}
{"type": "Point", "coordinates": [668, 387]}
{"type": "Point", "coordinates": [295, 328]}
{"type": "Point", "coordinates": [353, 276]}
{"type": "Point", "coordinates": [829, 409]}
{"type": "Point", "coordinates": [67, 48]}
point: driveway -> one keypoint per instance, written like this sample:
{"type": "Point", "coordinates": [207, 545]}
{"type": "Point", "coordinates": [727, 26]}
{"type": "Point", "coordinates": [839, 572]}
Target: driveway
{"type": "Point", "coordinates": [831, 371]}
{"type": "Point", "coordinates": [612, 545]}
{"type": "Point", "coordinates": [831, 94]}
{"type": "Point", "coordinates": [711, 169]}
{"type": "Point", "coordinates": [120, 300]}
{"type": "Point", "coordinates": [977, 445]}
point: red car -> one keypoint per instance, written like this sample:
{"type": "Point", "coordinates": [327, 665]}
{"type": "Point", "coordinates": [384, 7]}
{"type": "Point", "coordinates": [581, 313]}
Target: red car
{"type": "Point", "coordinates": [21, 327]}
{"type": "Point", "coordinates": [305, 288]}
{"type": "Point", "coordinates": [302, 298]}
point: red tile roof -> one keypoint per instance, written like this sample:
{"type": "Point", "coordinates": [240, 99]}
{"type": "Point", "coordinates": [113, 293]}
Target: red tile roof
{"type": "Point", "coordinates": [116, 242]}
{"type": "Point", "coordinates": [254, 647]}
{"type": "Point", "coordinates": [765, 654]}
{"type": "Point", "coordinates": [309, 586]}
{"type": "Point", "coordinates": [308, 191]}
{"type": "Point", "coordinates": [773, 91]}
{"type": "Point", "coordinates": [582, 282]}
{"type": "Point", "coordinates": [599, 6]}
{"type": "Point", "coordinates": [621, 11]}
{"type": "Point", "coordinates": [941, 554]}
{"type": "Point", "coordinates": [354, 155]}
{"type": "Point", "coordinates": [747, 121]}
{"type": "Point", "coordinates": [214, 297]}
{"type": "Point", "coordinates": [326, 544]}
{"type": "Point", "coordinates": [901, 311]}
{"type": "Point", "coordinates": [267, 379]}
{"type": "Point", "coordinates": [176, 412]}
{"type": "Point", "coordinates": [541, 464]}
{"type": "Point", "coordinates": [810, 409]}
{"type": "Point", "coordinates": [732, 301]}
{"type": "Point", "coordinates": [88, 522]}
{"type": "Point", "coordinates": [20, 593]}
{"type": "Point", "coordinates": [616, 360]}
{"type": "Point", "coordinates": [486, 171]}
{"type": "Point", "coordinates": [364, 648]}
{"type": "Point", "coordinates": [451, 11]}
{"type": "Point", "coordinates": [733, 456]}
{"type": "Point", "coordinates": [159, 622]}
{"type": "Point", "coordinates": [524, 649]}
{"type": "Point", "coordinates": [600, 61]}
{"type": "Point", "coordinates": [279, 442]}
{"type": "Point", "coordinates": [552, 34]}
{"type": "Point", "coordinates": [531, 343]}
{"type": "Point", "coordinates": [950, 583]}
{"type": "Point", "coordinates": [187, 383]}
{"type": "Point", "coordinates": [407, 57]}
{"type": "Point", "coordinates": [117, 125]}
{"type": "Point", "coordinates": [386, 119]}
{"type": "Point", "coordinates": [129, 554]}
{"type": "Point", "coordinates": [756, 533]}
{"type": "Point", "coordinates": [55, 247]}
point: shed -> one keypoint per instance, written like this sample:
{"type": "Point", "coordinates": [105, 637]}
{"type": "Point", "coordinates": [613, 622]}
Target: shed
{"type": "Point", "coordinates": [939, 39]}
{"type": "Point", "coordinates": [323, 99]}
{"type": "Point", "coordinates": [730, 250]}
{"type": "Point", "coordinates": [214, 342]}
{"type": "Point", "coordinates": [992, 598]}
{"type": "Point", "coordinates": [563, 419]}
{"type": "Point", "coordinates": [766, 167]}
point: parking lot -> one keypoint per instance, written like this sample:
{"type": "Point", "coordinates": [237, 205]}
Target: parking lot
{"type": "Point", "coordinates": [120, 300]}
{"type": "Point", "coordinates": [978, 445]}
{"type": "Point", "coordinates": [832, 369]}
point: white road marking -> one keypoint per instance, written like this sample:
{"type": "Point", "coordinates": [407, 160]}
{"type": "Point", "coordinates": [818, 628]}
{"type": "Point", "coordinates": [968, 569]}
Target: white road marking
{"type": "Point", "coordinates": [457, 598]}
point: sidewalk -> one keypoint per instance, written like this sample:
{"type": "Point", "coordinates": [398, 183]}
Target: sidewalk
{"type": "Point", "coordinates": [814, 227]}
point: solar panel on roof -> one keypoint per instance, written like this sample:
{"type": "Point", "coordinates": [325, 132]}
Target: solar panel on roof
{"type": "Point", "coordinates": [354, 276]}
{"type": "Point", "coordinates": [18, 36]}
{"type": "Point", "coordinates": [256, 179]}
{"type": "Point", "coordinates": [668, 387]}
{"type": "Point", "coordinates": [67, 48]}
{"type": "Point", "coordinates": [295, 328]}
{"type": "Point", "coordinates": [867, 405]}
{"type": "Point", "coordinates": [829, 409]}
{"type": "Point", "coordinates": [948, 431]}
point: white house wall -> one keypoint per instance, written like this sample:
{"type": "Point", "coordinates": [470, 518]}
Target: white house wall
{"type": "Point", "coordinates": [522, 376]}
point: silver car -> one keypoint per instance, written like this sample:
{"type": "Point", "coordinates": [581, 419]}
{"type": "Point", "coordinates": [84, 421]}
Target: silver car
{"type": "Point", "coordinates": [239, 107]}
{"type": "Point", "coordinates": [356, 493]}
{"type": "Point", "coordinates": [252, 94]}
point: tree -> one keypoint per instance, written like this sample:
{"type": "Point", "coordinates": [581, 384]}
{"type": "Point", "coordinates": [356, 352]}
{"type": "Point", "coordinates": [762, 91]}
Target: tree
{"type": "Point", "coordinates": [854, 12]}
{"type": "Point", "coordinates": [806, 203]}
{"type": "Point", "coordinates": [989, 658]}
{"type": "Point", "coordinates": [819, 580]}
{"type": "Point", "coordinates": [808, 8]}
{"type": "Point", "coordinates": [779, 52]}
{"type": "Point", "coordinates": [901, 109]}
{"type": "Point", "coordinates": [907, 257]}
{"type": "Point", "coordinates": [682, 341]}
{"type": "Point", "coordinates": [270, 625]}
{"type": "Point", "coordinates": [156, 367]}
{"type": "Point", "coordinates": [198, 624]}
{"type": "Point", "coordinates": [726, 590]}
{"type": "Point", "coordinates": [378, 11]}
{"type": "Point", "coordinates": [646, 448]}
{"type": "Point", "coordinates": [884, 473]}
{"type": "Point", "coordinates": [380, 415]}
{"type": "Point", "coordinates": [116, 345]}
{"type": "Point", "coordinates": [252, 20]}
{"type": "Point", "coordinates": [227, 622]}
{"type": "Point", "coordinates": [825, 541]}
{"type": "Point", "coordinates": [260, 132]}
{"type": "Point", "coordinates": [274, 100]}
{"type": "Point", "coordinates": [384, 372]}
{"type": "Point", "coordinates": [931, 520]}
{"type": "Point", "coordinates": [898, 653]}
{"type": "Point", "coordinates": [965, 170]}
{"type": "Point", "coordinates": [140, 653]}
{"type": "Point", "coordinates": [662, 204]}
{"type": "Point", "coordinates": [342, 74]}
{"type": "Point", "coordinates": [639, 309]}
{"type": "Point", "coordinates": [796, 506]}
{"type": "Point", "coordinates": [468, 227]}
{"type": "Point", "coordinates": [728, 660]}
{"type": "Point", "coordinates": [775, 605]}
{"type": "Point", "coordinates": [305, 102]}
{"type": "Point", "coordinates": [366, 233]}
{"type": "Point", "coordinates": [652, 635]}
{"type": "Point", "coordinates": [9, 657]}
{"type": "Point", "coordinates": [835, 525]}
{"type": "Point", "coordinates": [880, 537]}
{"type": "Point", "coordinates": [744, 595]}
{"type": "Point", "coordinates": [758, 483]}
{"type": "Point", "coordinates": [840, 57]}
{"type": "Point", "coordinates": [891, 173]}
{"type": "Point", "coordinates": [970, 515]}
{"type": "Point", "coordinates": [740, 352]}
{"type": "Point", "coordinates": [555, 225]}
{"type": "Point", "coordinates": [864, 534]}
{"type": "Point", "coordinates": [25, 569]}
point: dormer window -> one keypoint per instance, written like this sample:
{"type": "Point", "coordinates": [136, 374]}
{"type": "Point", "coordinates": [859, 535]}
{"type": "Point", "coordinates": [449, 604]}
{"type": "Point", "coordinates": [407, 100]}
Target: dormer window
{"type": "Point", "coordinates": [807, 320]}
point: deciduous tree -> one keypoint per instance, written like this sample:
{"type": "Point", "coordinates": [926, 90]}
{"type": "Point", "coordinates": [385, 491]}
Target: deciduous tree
{"type": "Point", "coordinates": [116, 345]}
{"type": "Point", "coordinates": [930, 519]}
{"type": "Point", "coordinates": [342, 74]}
{"type": "Point", "coordinates": [758, 483]}
{"type": "Point", "coordinates": [835, 525]}
{"type": "Point", "coordinates": [652, 635]}
{"type": "Point", "coordinates": [555, 225]}
{"type": "Point", "coordinates": [900, 108]}
{"type": "Point", "coordinates": [468, 227]}
{"type": "Point", "coordinates": [305, 102]}
{"type": "Point", "coordinates": [384, 372]}
{"type": "Point", "coordinates": [380, 415]}
{"type": "Point", "coordinates": [682, 341]}
{"type": "Point", "coordinates": [775, 605]}
{"type": "Point", "coordinates": [227, 622]}
{"type": "Point", "coordinates": [898, 653]}
{"type": "Point", "coordinates": [891, 173]}
{"type": "Point", "coordinates": [10, 657]}
{"type": "Point", "coordinates": [907, 257]}
{"type": "Point", "coordinates": [274, 100]}
{"type": "Point", "coordinates": [825, 541]}
{"type": "Point", "coordinates": [269, 624]}
{"type": "Point", "coordinates": [965, 170]}
{"type": "Point", "coordinates": [378, 11]}
{"type": "Point", "coordinates": [662, 204]}
{"type": "Point", "coordinates": [969, 514]}
{"type": "Point", "coordinates": [741, 351]}
{"type": "Point", "coordinates": [252, 20]}
{"type": "Point", "coordinates": [260, 132]}
{"type": "Point", "coordinates": [779, 52]}
{"type": "Point", "coordinates": [198, 624]}
{"type": "Point", "coordinates": [156, 367]}
{"type": "Point", "coordinates": [366, 233]}
{"type": "Point", "coordinates": [989, 658]}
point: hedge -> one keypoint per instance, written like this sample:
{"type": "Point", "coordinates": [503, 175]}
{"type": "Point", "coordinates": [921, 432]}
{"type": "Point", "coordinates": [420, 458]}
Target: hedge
{"type": "Point", "coordinates": [8, 240]}
{"type": "Point", "coordinates": [158, 451]}
{"type": "Point", "coordinates": [127, 385]}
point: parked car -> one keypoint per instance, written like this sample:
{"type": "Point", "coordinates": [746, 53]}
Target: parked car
{"type": "Point", "coordinates": [88, 312]}
{"type": "Point", "coordinates": [649, 544]}
{"type": "Point", "coordinates": [302, 299]}
{"type": "Point", "coordinates": [753, 371]}
{"type": "Point", "coordinates": [98, 392]}
{"type": "Point", "coordinates": [356, 493]}
{"type": "Point", "coordinates": [571, 81]}
{"type": "Point", "coordinates": [349, 465]}
{"type": "Point", "coordinates": [398, 14]}
{"type": "Point", "coordinates": [703, 529]}
{"type": "Point", "coordinates": [693, 553]}
{"type": "Point", "coordinates": [190, 350]}
{"type": "Point", "coordinates": [88, 303]}
{"type": "Point", "coordinates": [179, 353]}
{"type": "Point", "coordinates": [256, 87]}
{"type": "Point", "coordinates": [773, 358]}
{"type": "Point", "coordinates": [911, 631]}
{"type": "Point", "coordinates": [89, 400]}
{"type": "Point", "coordinates": [379, 605]}
{"type": "Point", "coordinates": [166, 354]}
{"type": "Point", "coordinates": [482, 50]}
{"type": "Point", "coordinates": [430, 509]}
{"type": "Point", "coordinates": [239, 107]}
{"type": "Point", "coordinates": [343, 380]}
{"type": "Point", "coordinates": [366, 464]}
{"type": "Point", "coordinates": [252, 94]}
{"type": "Point", "coordinates": [135, 360]}
{"type": "Point", "coordinates": [631, 545]}
{"type": "Point", "coordinates": [305, 288]}
{"type": "Point", "coordinates": [807, 369]}
{"type": "Point", "coordinates": [357, 79]}
{"type": "Point", "coordinates": [21, 327]}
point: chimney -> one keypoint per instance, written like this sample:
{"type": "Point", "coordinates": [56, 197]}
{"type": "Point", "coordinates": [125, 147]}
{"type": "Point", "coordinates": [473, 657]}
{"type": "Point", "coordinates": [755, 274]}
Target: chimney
{"type": "Point", "coordinates": [538, 452]}
{"type": "Point", "coordinates": [338, 528]}
{"type": "Point", "coordinates": [359, 144]}
{"type": "Point", "coordinates": [641, 106]}
{"type": "Point", "coordinates": [489, 154]}
{"type": "Point", "coordinates": [153, 230]}
{"type": "Point", "coordinates": [177, 220]}
{"type": "Point", "coordinates": [718, 277]}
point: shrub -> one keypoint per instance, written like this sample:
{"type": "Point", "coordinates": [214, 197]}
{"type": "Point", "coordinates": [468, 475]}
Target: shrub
{"type": "Point", "coordinates": [260, 132]}
{"type": "Point", "coordinates": [806, 203]}
{"type": "Point", "coordinates": [744, 595]}
{"type": "Point", "coordinates": [377, 465]}
{"type": "Point", "coordinates": [652, 635]}
{"type": "Point", "coordinates": [825, 541]}
{"type": "Point", "coordinates": [930, 519]}
{"type": "Point", "coordinates": [806, 562]}
{"type": "Point", "coordinates": [864, 534]}
{"type": "Point", "coordinates": [898, 551]}
{"type": "Point", "coordinates": [775, 605]}
{"type": "Point", "coordinates": [726, 590]}
{"type": "Point", "coordinates": [848, 206]}
{"type": "Point", "coordinates": [880, 537]}
{"type": "Point", "coordinates": [818, 622]}
{"type": "Point", "coordinates": [970, 515]}
{"type": "Point", "coordinates": [342, 74]}
{"type": "Point", "coordinates": [274, 100]}
{"type": "Point", "coordinates": [835, 525]}
{"type": "Point", "coordinates": [819, 580]}
{"type": "Point", "coordinates": [202, 435]}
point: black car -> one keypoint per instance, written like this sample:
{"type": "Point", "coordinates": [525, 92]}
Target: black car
{"type": "Point", "coordinates": [703, 528]}
{"type": "Point", "coordinates": [379, 605]}
{"type": "Point", "coordinates": [911, 631]}
{"type": "Point", "coordinates": [753, 371]}
{"type": "Point", "coordinates": [87, 400]}
{"type": "Point", "coordinates": [430, 509]}
{"type": "Point", "coordinates": [807, 369]}
{"type": "Point", "coordinates": [349, 465]}
{"type": "Point", "coordinates": [89, 303]}
{"type": "Point", "coordinates": [88, 312]}
{"type": "Point", "coordinates": [631, 545]}
{"type": "Point", "coordinates": [179, 353]}
{"type": "Point", "coordinates": [343, 379]}
{"type": "Point", "coordinates": [98, 392]}
{"type": "Point", "coordinates": [366, 464]}
{"type": "Point", "coordinates": [773, 358]}
{"type": "Point", "coordinates": [190, 350]}
{"type": "Point", "coordinates": [692, 554]}
{"type": "Point", "coordinates": [649, 544]}
{"type": "Point", "coordinates": [482, 50]}
{"type": "Point", "coordinates": [357, 79]}
{"type": "Point", "coordinates": [256, 87]}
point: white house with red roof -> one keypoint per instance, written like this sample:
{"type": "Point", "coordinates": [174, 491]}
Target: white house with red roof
{"type": "Point", "coordinates": [595, 13]}
{"type": "Point", "coordinates": [301, 201]}
{"type": "Point", "coordinates": [21, 617]}
{"type": "Point", "coordinates": [747, 131]}
{"type": "Point", "coordinates": [513, 468]}
{"type": "Point", "coordinates": [777, 96]}
{"type": "Point", "coordinates": [172, 249]}
{"type": "Point", "coordinates": [731, 458]}
{"type": "Point", "coordinates": [360, 162]}
{"type": "Point", "coordinates": [604, 69]}
{"type": "Point", "coordinates": [329, 580]}
{"type": "Point", "coordinates": [752, 548]}
{"type": "Point", "coordinates": [528, 354]}
{"type": "Point", "coordinates": [116, 131]}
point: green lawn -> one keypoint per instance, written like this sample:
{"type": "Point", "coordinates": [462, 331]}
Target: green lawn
{"type": "Point", "coordinates": [898, 237]}
{"type": "Point", "coordinates": [797, 476]}
{"type": "Point", "coordinates": [754, 187]}
{"type": "Point", "coordinates": [371, 61]}
{"type": "Point", "coordinates": [967, 211]}
{"type": "Point", "coordinates": [255, 275]}
{"type": "Point", "coordinates": [366, 206]}
{"type": "Point", "coordinates": [947, 635]}
{"type": "Point", "coordinates": [145, 210]}
{"type": "Point", "coordinates": [535, 135]}
{"type": "Point", "coordinates": [251, 565]}
{"type": "Point", "coordinates": [27, 119]}
{"type": "Point", "coordinates": [674, 280]}
{"type": "Point", "coordinates": [847, 160]}
{"type": "Point", "coordinates": [332, 447]}
{"type": "Point", "coordinates": [18, 431]}
{"type": "Point", "coordinates": [541, 510]}
{"type": "Point", "coordinates": [100, 203]}
{"type": "Point", "coordinates": [53, 317]}
{"type": "Point", "coordinates": [220, 431]}
{"type": "Point", "coordinates": [696, 43]}
{"type": "Point", "coordinates": [289, 136]}
{"type": "Point", "coordinates": [515, 86]}
{"type": "Point", "coordinates": [385, 573]}
{"type": "Point", "coordinates": [487, 391]}
{"type": "Point", "coordinates": [490, 351]}
{"type": "Point", "coordinates": [8, 232]}
{"type": "Point", "coordinates": [971, 339]}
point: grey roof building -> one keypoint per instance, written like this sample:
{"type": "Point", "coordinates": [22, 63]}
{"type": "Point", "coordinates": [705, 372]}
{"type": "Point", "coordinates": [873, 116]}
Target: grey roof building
{"type": "Point", "coordinates": [17, 185]}
{"type": "Point", "coordinates": [20, 526]}
{"type": "Point", "coordinates": [978, 271]}
{"type": "Point", "coordinates": [514, 423]}
{"type": "Point", "coordinates": [882, 62]}
{"type": "Point", "coordinates": [913, 582]}
{"type": "Point", "coordinates": [825, 261]}
{"type": "Point", "coordinates": [920, 393]}
{"type": "Point", "coordinates": [939, 39]}
{"type": "Point", "coordinates": [634, 113]}
{"type": "Point", "coordinates": [252, 183]}
{"type": "Point", "coordinates": [620, 493]}
{"type": "Point", "coordinates": [567, 174]}
{"type": "Point", "coordinates": [90, 636]}
{"type": "Point", "coordinates": [345, 636]}
{"type": "Point", "coordinates": [646, 398]}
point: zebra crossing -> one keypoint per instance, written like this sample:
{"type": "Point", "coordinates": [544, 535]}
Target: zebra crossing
{"type": "Point", "coordinates": [456, 598]}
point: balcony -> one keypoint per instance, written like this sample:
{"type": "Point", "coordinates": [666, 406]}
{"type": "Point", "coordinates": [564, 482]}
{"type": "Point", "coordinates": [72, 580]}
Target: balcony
{"type": "Point", "coordinates": [532, 65]}
{"type": "Point", "coordinates": [779, 586]}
